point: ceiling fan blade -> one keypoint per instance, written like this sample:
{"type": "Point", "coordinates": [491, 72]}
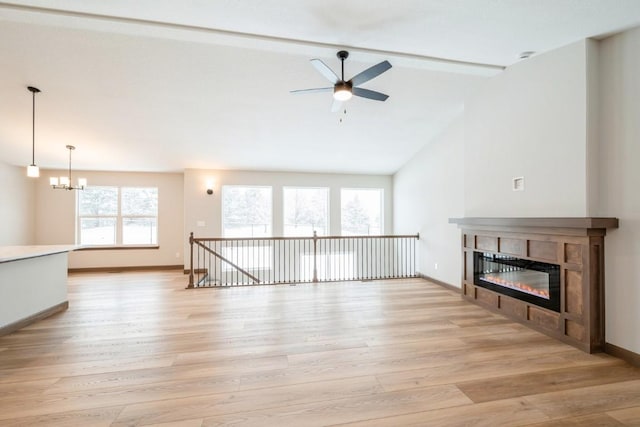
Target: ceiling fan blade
{"type": "Point", "coordinates": [336, 106]}
{"type": "Point", "coordinates": [325, 71]}
{"type": "Point", "coordinates": [317, 89]}
{"type": "Point", "coordinates": [370, 73]}
{"type": "Point", "coordinates": [370, 94]}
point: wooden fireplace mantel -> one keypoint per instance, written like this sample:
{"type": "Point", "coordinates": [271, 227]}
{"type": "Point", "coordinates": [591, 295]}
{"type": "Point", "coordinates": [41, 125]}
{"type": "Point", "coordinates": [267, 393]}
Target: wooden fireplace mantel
{"type": "Point", "coordinates": [551, 225]}
{"type": "Point", "coordinates": [575, 244]}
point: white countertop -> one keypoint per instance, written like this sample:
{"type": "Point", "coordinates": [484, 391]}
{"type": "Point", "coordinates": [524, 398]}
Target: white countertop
{"type": "Point", "coordinates": [14, 253]}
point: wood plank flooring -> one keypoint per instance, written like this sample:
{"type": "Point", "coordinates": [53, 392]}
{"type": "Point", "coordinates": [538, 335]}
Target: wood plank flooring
{"type": "Point", "coordinates": [136, 348]}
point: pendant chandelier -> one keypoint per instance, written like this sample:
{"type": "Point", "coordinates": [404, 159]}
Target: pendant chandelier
{"type": "Point", "coordinates": [64, 182]}
{"type": "Point", "coordinates": [33, 171]}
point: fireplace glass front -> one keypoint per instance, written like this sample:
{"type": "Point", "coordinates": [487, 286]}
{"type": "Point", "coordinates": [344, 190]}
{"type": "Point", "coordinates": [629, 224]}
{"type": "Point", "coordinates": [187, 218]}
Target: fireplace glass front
{"type": "Point", "coordinates": [531, 281]}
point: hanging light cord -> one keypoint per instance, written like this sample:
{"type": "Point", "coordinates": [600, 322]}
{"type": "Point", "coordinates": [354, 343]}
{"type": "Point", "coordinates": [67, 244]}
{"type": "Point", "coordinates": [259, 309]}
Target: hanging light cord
{"type": "Point", "coordinates": [33, 91]}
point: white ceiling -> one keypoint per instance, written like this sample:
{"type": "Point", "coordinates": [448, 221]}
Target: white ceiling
{"type": "Point", "coordinates": [167, 85]}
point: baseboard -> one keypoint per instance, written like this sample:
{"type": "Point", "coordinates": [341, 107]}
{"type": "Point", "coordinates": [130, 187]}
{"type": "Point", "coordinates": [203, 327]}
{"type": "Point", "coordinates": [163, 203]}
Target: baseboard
{"type": "Point", "coordinates": [439, 282]}
{"type": "Point", "coordinates": [621, 353]}
{"type": "Point", "coordinates": [128, 268]}
{"type": "Point", "coordinates": [12, 327]}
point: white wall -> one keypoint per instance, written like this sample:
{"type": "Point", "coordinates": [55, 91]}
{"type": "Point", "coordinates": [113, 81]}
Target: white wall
{"type": "Point", "coordinates": [569, 122]}
{"type": "Point", "coordinates": [56, 220]}
{"type": "Point", "coordinates": [620, 178]}
{"type": "Point", "coordinates": [200, 207]}
{"type": "Point", "coordinates": [593, 128]}
{"type": "Point", "coordinates": [428, 191]}
{"type": "Point", "coordinates": [17, 206]}
{"type": "Point", "coordinates": [529, 121]}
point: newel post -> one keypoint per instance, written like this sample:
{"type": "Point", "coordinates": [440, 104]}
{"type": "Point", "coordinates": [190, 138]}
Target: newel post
{"type": "Point", "coordinates": [191, 261]}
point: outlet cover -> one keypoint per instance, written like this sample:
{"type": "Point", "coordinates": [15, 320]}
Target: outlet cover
{"type": "Point", "coordinates": [518, 183]}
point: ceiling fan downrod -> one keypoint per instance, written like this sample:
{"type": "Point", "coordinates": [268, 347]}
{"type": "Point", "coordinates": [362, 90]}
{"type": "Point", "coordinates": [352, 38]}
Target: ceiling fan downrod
{"type": "Point", "coordinates": [342, 55]}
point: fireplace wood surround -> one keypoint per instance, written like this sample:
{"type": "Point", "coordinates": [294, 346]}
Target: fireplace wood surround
{"type": "Point", "coordinates": [576, 245]}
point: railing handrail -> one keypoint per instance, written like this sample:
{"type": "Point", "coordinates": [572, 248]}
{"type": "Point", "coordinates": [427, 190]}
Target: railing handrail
{"type": "Point", "coordinates": [366, 236]}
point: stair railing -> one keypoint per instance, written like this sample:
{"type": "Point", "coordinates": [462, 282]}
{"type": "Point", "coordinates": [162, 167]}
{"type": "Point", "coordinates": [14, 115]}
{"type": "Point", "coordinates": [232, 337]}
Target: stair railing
{"type": "Point", "coordinates": [272, 260]}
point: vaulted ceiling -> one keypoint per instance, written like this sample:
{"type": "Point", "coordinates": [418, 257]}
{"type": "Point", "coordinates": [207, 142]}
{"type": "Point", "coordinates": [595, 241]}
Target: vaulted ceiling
{"type": "Point", "coordinates": [164, 86]}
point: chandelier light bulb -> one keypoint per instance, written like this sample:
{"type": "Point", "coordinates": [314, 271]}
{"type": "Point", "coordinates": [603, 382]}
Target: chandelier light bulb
{"type": "Point", "coordinates": [64, 182]}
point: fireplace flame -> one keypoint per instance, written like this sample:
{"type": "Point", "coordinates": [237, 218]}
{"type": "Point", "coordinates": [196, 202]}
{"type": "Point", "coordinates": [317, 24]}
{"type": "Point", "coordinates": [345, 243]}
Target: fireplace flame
{"type": "Point", "coordinates": [523, 287]}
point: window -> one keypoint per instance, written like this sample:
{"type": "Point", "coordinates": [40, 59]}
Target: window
{"type": "Point", "coordinates": [361, 211]}
{"type": "Point", "coordinates": [118, 216]}
{"type": "Point", "coordinates": [246, 211]}
{"type": "Point", "coordinates": [306, 210]}
{"type": "Point", "coordinates": [139, 212]}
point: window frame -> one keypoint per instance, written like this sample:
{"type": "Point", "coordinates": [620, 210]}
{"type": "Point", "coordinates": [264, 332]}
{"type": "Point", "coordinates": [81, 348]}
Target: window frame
{"type": "Point", "coordinates": [119, 221]}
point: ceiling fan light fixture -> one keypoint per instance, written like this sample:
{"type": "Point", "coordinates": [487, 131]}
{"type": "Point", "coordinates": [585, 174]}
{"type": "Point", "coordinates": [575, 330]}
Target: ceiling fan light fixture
{"type": "Point", "coordinates": [342, 92]}
{"type": "Point", "coordinates": [343, 89]}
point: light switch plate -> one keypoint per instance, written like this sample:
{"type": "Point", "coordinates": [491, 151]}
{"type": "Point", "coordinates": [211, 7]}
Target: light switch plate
{"type": "Point", "coordinates": [518, 183]}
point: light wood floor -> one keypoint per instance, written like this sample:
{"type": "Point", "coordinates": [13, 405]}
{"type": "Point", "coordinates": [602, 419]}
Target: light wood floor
{"type": "Point", "coordinates": [139, 349]}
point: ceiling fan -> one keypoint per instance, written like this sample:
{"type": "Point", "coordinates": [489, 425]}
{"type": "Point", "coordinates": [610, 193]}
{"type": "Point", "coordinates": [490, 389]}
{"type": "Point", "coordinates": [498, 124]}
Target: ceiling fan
{"type": "Point", "coordinates": [342, 89]}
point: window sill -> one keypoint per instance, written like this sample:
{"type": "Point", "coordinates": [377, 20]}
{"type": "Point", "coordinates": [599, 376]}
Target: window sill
{"type": "Point", "coordinates": [117, 247]}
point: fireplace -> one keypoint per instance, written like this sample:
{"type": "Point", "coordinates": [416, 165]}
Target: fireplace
{"type": "Point", "coordinates": [547, 273]}
{"type": "Point", "coordinates": [531, 281]}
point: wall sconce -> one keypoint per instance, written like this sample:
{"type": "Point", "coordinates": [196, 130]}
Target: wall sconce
{"type": "Point", "coordinates": [210, 187]}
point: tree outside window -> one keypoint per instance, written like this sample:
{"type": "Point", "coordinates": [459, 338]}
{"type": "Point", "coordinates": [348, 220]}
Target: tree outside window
{"type": "Point", "coordinates": [361, 211]}
{"type": "Point", "coordinates": [306, 210]}
{"type": "Point", "coordinates": [246, 211]}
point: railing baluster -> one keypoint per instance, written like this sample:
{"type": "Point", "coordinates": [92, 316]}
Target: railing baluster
{"type": "Point", "coordinates": [331, 251]}
{"type": "Point", "coordinates": [386, 258]}
{"type": "Point", "coordinates": [361, 258]}
{"type": "Point", "coordinates": [395, 258]}
{"type": "Point", "coordinates": [274, 262]}
{"type": "Point", "coordinates": [245, 261]}
{"type": "Point", "coordinates": [339, 256]}
{"type": "Point", "coordinates": [279, 269]}
{"type": "Point", "coordinates": [369, 259]}
{"type": "Point", "coordinates": [289, 260]}
{"type": "Point", "coordinates": [271, 265]}
{"type": "Point", "coordinates": [405, 257]}
{"type": "Point", "coordinates": [377, 261]}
